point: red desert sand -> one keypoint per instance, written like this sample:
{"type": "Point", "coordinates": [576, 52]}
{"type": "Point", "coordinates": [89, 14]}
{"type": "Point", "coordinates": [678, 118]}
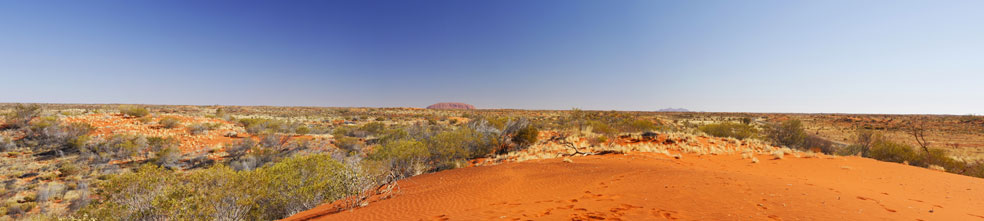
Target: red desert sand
{"type": "Point", "coordinates": [647, 186]}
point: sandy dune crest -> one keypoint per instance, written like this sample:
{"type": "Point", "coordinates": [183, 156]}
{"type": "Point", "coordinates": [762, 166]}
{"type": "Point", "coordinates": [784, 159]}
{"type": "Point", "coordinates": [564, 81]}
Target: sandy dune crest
{"type": "Point", "coordinates": [646, 186]}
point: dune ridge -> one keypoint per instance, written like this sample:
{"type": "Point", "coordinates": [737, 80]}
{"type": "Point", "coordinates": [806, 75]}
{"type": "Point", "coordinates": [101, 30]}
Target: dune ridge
{"type": "Point", "coordinates": [646, 186]}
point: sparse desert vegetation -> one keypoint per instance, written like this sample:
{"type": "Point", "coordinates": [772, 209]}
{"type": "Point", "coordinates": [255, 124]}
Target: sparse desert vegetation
{"type": "Point", "coordinates": [115, 162]}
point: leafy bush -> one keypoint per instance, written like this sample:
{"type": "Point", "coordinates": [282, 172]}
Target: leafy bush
{"type": "Point", "coordinates": [938, 157]}
{"type": "Point", "coordinates": [302, 130]}
{"type": "Point", "coordinates": [170, 122]}
{"type": "Point", "coordinates": [853, 149]}
{"type": "Point", "coordinates": [526, 136]}
{"type": "Point", "coordinates": [350, 145]}
{"type": "Point", "coordinates": [260, 125]}
{"type": "Point", "coordinates": [134, 196]}
{"type": "Point", "coordinates": [641, 125]}
{"type": "Point", "coordinates": [893, 152]}
{"type": "Point", "coordinates": [135, 111]}
{"type": "Point", "coordinates": [448, 148]}
{"type": "Point", "coordinates": [221, 193]}
{"type": "Point", "coordinates": [299, 183]}
{"type": "Point", "coordinates": [602, 128]}
{"type": "Point", "coordinates": [68, 169]}
{"type": "Point", "coordinates": [730, 129]}
{"type": "Point", "coordinates": [405, 157]}
{"type": "Point", "coordinates": [370, 129]}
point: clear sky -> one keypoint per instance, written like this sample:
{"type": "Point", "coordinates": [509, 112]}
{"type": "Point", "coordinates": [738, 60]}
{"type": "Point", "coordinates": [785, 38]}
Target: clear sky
{"type": "Point", "coordinates": [738, 56]}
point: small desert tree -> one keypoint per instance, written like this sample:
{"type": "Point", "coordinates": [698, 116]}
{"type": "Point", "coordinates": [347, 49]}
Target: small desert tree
{"type": "Point", "coordinates": [918, 131]}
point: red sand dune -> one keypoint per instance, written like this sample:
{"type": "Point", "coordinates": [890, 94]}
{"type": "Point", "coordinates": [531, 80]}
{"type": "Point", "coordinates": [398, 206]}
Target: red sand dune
{"type": "Point", "coordinates": [645, 186]}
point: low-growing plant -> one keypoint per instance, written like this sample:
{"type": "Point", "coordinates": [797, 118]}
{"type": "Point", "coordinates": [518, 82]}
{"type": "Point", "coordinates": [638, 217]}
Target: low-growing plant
{"type": "Point", "coordinates": [135, 111]}
{"type": "Point", "coordinates": [448, 148]}
{"type": "Point", "coordinates": [893, 152]}
{"type": "Point", "coordinates": [350, 145]}
{"type": "Point", "coordinates": [200, 128]}
{"type": "Point", "coordinates": [302, 130]}
{"type": "Point", "coordinates": [50, 134]}
{"type": "Point", "coordinates": [730, 129]}
{"type": "Point", "coordinates": [170, 122]}
{"type": "Point", "coordinates": [221, 193]}
{"type": "Point", "coordinates": [526, 136]}
{"type": "Point", "coordinates": [68, 169]}
{"type": "Point", "coordinates": [405, 157]}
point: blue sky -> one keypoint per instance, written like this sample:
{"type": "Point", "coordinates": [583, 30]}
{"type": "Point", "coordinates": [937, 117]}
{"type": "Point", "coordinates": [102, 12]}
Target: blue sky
{"type": "Point", "coordinates": [736, 56]}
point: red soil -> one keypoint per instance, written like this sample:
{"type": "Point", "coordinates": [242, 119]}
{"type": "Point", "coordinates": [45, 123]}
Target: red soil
{"type": "Point", "coordinates": [646, 186]}
{"type": "Point", "coordinates": [113, 124]}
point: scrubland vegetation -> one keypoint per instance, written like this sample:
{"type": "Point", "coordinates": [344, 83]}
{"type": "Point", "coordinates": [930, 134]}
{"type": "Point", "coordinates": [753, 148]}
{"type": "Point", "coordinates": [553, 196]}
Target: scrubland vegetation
{"type": "Point", "coordinates": [271, 162]}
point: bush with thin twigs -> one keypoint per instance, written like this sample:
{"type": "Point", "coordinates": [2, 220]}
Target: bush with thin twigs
{"type": "Point", "coordinates": [169, 122]}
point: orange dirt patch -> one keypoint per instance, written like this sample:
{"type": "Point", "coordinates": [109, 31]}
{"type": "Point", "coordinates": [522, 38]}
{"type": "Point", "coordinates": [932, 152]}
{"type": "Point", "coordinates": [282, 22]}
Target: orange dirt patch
{"type": "Point", "coordinates": [112, 124]}
{"type": "Point", "coordinates": [646, 186]}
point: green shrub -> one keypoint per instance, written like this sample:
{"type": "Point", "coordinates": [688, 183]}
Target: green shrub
{"type": "Point", "coordinates": [170, 122]}
{"type": "Point", "coordinates": [526, 136]}
{"type": "Point", "coordinates": [220, 193]}
{"type": "Point", "coordinates": [893, 152]}
{"type": "Point", "coordinates": [450, 147]}
{"type": "Point", "coordinates": [374, 127]}
{"type": "Point", "coordinates": [938, 157]}
{"type": "Point", "coordinates": [350, 145]}
{"type": "Point", "coordinates": [640, 125]}
{"type": "Point", "coordinates": [851, 150]}
{"type": "Point", "coordinates": [405, 157]}
{"type": "Point", "coordinates": [730, 129]}
{"type": "Point", "coordinates": [302, 130]}
{"type": "Point", "coordinates": [260, 125]}
{"type": "Point", "coordinates": [135, 111]}
{"type": "Point", "coordinates": [863, 140]}
{"type": "Point", "coordinates": [299, 183]}
{"type": "Point", "coordinates": [787, 133]}
{"type": "Point", "coordinates": [68, 169]}
{"type": "Point", "coordinates": [602, 128]}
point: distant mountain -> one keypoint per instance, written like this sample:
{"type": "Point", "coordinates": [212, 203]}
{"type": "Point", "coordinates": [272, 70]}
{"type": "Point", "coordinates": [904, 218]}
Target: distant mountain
{"type": "Point", "coordinates": [673, 110]}
{"type": "Point", "coordinates": [451, 106]}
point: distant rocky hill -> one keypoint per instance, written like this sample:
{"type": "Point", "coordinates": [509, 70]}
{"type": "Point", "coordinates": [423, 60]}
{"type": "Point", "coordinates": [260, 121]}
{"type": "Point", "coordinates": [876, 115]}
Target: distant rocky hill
{"type": "Point", "coordinates": [451, 106]}
{"type": "Point", "coordinates": [673, 110]}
